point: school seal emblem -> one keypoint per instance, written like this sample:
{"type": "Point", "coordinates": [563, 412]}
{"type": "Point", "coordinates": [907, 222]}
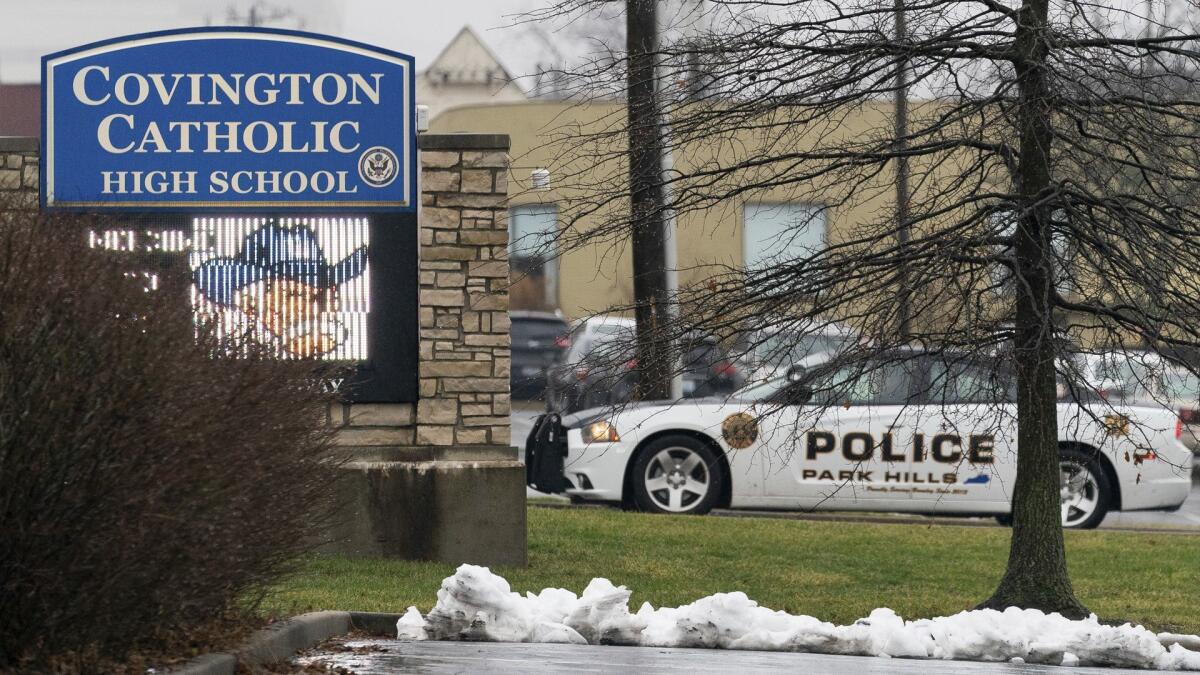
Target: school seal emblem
{"type": "Point", "coordinates": [378, 166]}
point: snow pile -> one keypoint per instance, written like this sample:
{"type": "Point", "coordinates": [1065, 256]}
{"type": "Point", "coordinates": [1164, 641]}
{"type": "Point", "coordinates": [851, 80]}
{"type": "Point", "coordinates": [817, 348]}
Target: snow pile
{"type": "Point", "coordinates": [475, 604]}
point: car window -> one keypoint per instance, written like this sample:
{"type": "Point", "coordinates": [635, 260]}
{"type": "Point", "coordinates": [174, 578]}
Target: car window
{"type": "Point", "coordinates": [702, 356]}
{"type": "Point", "coordinates": [1181, 384]}
{"type": "Point", "coordinates": [524, 330]}
{"type": "Point", "coordinates": [957, 381]}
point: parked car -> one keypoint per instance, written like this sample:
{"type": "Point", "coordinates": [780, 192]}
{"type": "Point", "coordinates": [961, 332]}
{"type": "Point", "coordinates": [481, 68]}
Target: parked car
{"type": "Point", "coordinates": [707, 370]}
{"type": "Point", "coordinates": [598, 348]}
{"type": "Point", "coordinates": [911, 432]}
{"type": "Point", "coordinates": [1140, 377]}
{"type": "Point", "coordinates": [539, 340]}
{"type": "Point", "coordinates": [601, 366]}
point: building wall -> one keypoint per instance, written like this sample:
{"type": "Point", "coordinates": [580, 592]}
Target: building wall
{"type": "Point", "coordinates": [21, 110]}
{"type": "Point", "coordinates": [598, 276]}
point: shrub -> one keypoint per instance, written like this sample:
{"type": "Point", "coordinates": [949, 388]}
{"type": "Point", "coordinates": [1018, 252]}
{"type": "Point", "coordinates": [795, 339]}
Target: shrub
{"type": "Point", "coordinates": [145, 486]}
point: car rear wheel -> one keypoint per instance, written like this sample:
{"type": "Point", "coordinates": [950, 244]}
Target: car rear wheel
{"type": "Point", "coordinates": [1084, 488]}
{"type": "Point", "coordinates": [1085, 491]}
{"type": "Point", "coordinates": [677, 474]}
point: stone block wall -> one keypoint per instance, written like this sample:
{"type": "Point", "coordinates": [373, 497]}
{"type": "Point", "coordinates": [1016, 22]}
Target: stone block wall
{"type": "Point", "coordinates": [463, 306]}
{"type": "Point", "coordinates": [19, 169]}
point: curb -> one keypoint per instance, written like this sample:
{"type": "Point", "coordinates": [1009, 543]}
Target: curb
{"type": "Point", "coordinates": [281, 641]}
{"type": "Point", "coordinates": [219, 663]}
{"type": "Point", "coordinates": [375, 623]}
{"type": "Point", "coordinates": [851, 517]}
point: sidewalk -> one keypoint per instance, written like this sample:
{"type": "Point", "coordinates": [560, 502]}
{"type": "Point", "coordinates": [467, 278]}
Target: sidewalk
{"type": "Point", "coordinates": [505, 658]}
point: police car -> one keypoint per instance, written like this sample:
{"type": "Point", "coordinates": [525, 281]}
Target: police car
{"type": "Point", "coordinates": [917, 432]}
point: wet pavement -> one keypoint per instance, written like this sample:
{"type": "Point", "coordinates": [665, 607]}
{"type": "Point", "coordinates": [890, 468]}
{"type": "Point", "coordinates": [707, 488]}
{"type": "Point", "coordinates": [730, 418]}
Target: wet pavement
{"type": "Point", "coordinates": [1186, 518]}
{"type": "Point", "coordinates": [377, 657]}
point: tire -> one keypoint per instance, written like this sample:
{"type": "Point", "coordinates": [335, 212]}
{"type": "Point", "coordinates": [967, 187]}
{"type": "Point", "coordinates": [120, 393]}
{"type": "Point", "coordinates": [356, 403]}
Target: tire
{"type": "Point", "coordinates": [677, 474]}
{"type": "Point", "coordinates": [1005, 519]}
{"type": "Point", "coordinates": [1086, 490]}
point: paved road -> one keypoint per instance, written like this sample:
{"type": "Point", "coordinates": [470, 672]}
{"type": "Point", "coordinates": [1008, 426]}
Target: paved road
{"type": "Point", "coordinates": [481, 657]}
{"type": "Point", "coordinates": [1186, 518]}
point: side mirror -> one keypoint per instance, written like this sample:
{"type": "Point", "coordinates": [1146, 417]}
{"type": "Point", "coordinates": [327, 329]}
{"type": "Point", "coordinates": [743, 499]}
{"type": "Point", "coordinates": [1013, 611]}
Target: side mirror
{"type": "Point", "coordinates": [797, 391]}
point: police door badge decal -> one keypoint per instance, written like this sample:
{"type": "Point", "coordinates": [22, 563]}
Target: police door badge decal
{"type": "Point", "coordinates": [297, 286]}
{"type": "Point", "coordinates": [1116, 425]}
{"type": "Point", "coordinates": [740, 430]}
{"type": "Point", "coordinates": [378, 166]}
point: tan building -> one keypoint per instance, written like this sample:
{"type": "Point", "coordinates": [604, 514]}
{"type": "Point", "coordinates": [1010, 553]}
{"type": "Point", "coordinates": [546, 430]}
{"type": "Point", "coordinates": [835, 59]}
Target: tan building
{"type": "Point", "coordinates": [466, 72]}
{"type": "Point", "coordinates": [736, 233]}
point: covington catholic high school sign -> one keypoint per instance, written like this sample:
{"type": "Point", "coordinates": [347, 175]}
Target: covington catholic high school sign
{"type": "Point", "coordinates": [279, 167]}
{"type": "Point", "coordinates": [228, 118]}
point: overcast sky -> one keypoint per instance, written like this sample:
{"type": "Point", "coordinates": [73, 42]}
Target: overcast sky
{"type": "Point", "coordinates": [31, 28]}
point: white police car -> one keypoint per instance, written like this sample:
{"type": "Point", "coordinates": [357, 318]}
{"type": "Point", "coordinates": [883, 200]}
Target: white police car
{"type": "Point", "coordinates": [920, 434]}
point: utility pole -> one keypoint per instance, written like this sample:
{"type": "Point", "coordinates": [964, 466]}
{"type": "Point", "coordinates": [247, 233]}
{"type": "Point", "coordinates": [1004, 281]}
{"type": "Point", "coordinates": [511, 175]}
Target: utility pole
{"type": "Point", "coordinates": [254, 18]}
{"type": "Point", "coordinates": [901, 144]}
{"type": "Point", "coordinates": [651, 297]}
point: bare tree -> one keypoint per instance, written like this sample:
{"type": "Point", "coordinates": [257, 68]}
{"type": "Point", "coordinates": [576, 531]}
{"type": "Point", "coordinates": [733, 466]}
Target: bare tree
{"type": "Point", "coordinates": [1051, 153]}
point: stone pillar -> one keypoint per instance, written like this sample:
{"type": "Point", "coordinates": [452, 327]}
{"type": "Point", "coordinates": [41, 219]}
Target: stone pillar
{"type": "Point", "coordinates": [464, 291]}
{"type": "Point", "coordinates": [442, 482]}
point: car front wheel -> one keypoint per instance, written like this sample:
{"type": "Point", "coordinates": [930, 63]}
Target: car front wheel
{"type": "Point", "coordinates": [677, 474]}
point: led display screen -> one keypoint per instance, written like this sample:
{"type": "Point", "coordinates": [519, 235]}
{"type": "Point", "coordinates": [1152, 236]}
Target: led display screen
{"type": "Point", "coordinates": [335, 288]}
{"type": "Point", "coordinates": [297, 286]}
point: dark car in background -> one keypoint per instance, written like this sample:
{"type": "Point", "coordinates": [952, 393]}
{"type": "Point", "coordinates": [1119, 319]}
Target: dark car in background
{"type": "Point", "coordinates": [601, 367]}
{"type": "Point", "coordinates": [539, 339]}
{"type": "Point", "coordinates": [599, 349]}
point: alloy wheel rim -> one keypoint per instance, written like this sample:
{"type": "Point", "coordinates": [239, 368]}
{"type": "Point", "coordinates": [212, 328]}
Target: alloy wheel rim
{"type": "Point", "coordinates": [677, 479]}
{"type": "Point", "coordinates": [1079, 493]}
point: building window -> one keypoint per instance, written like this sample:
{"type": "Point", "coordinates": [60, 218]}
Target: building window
{"type": "Point", "coordinates": [531, 256]}
{"type": "Point", "coordinates": [1005, 224]}
{"type": "Point", "coordinates": [776, 233]}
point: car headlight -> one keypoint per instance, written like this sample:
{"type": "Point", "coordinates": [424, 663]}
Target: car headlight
{"type": "Point", "coordinates": [600, 432]}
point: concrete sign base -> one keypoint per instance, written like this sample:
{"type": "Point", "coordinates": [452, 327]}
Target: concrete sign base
{"type": "Point", "coordinates": [459, 504]}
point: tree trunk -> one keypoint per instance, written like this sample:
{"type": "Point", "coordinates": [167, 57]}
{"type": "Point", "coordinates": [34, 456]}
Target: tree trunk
{"type": "Point", "coordinates": [1036, 576]}
{"type": "Point", "coordinates": [651, 303]}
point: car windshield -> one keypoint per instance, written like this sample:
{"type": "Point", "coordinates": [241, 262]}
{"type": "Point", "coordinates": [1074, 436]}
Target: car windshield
{"type": "Point", "coordinates": [614, 329]}
{"type": "Point", "coordinates": [828, 384]}
{"type": "Point", "coordinates": [609, 349]}
{"type": "Point", "coordinates": [780, 348]}
{"type": "Point", "coordinates": [761, 391]}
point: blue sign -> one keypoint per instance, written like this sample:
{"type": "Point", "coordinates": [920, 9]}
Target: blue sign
{"type": "Point", "coordinates": [228, 118]}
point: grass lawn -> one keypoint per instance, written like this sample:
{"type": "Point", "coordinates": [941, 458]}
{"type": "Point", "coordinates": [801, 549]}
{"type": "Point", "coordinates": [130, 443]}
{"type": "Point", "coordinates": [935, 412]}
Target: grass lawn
{"type": "Point", "coordinates": [835, 571]}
